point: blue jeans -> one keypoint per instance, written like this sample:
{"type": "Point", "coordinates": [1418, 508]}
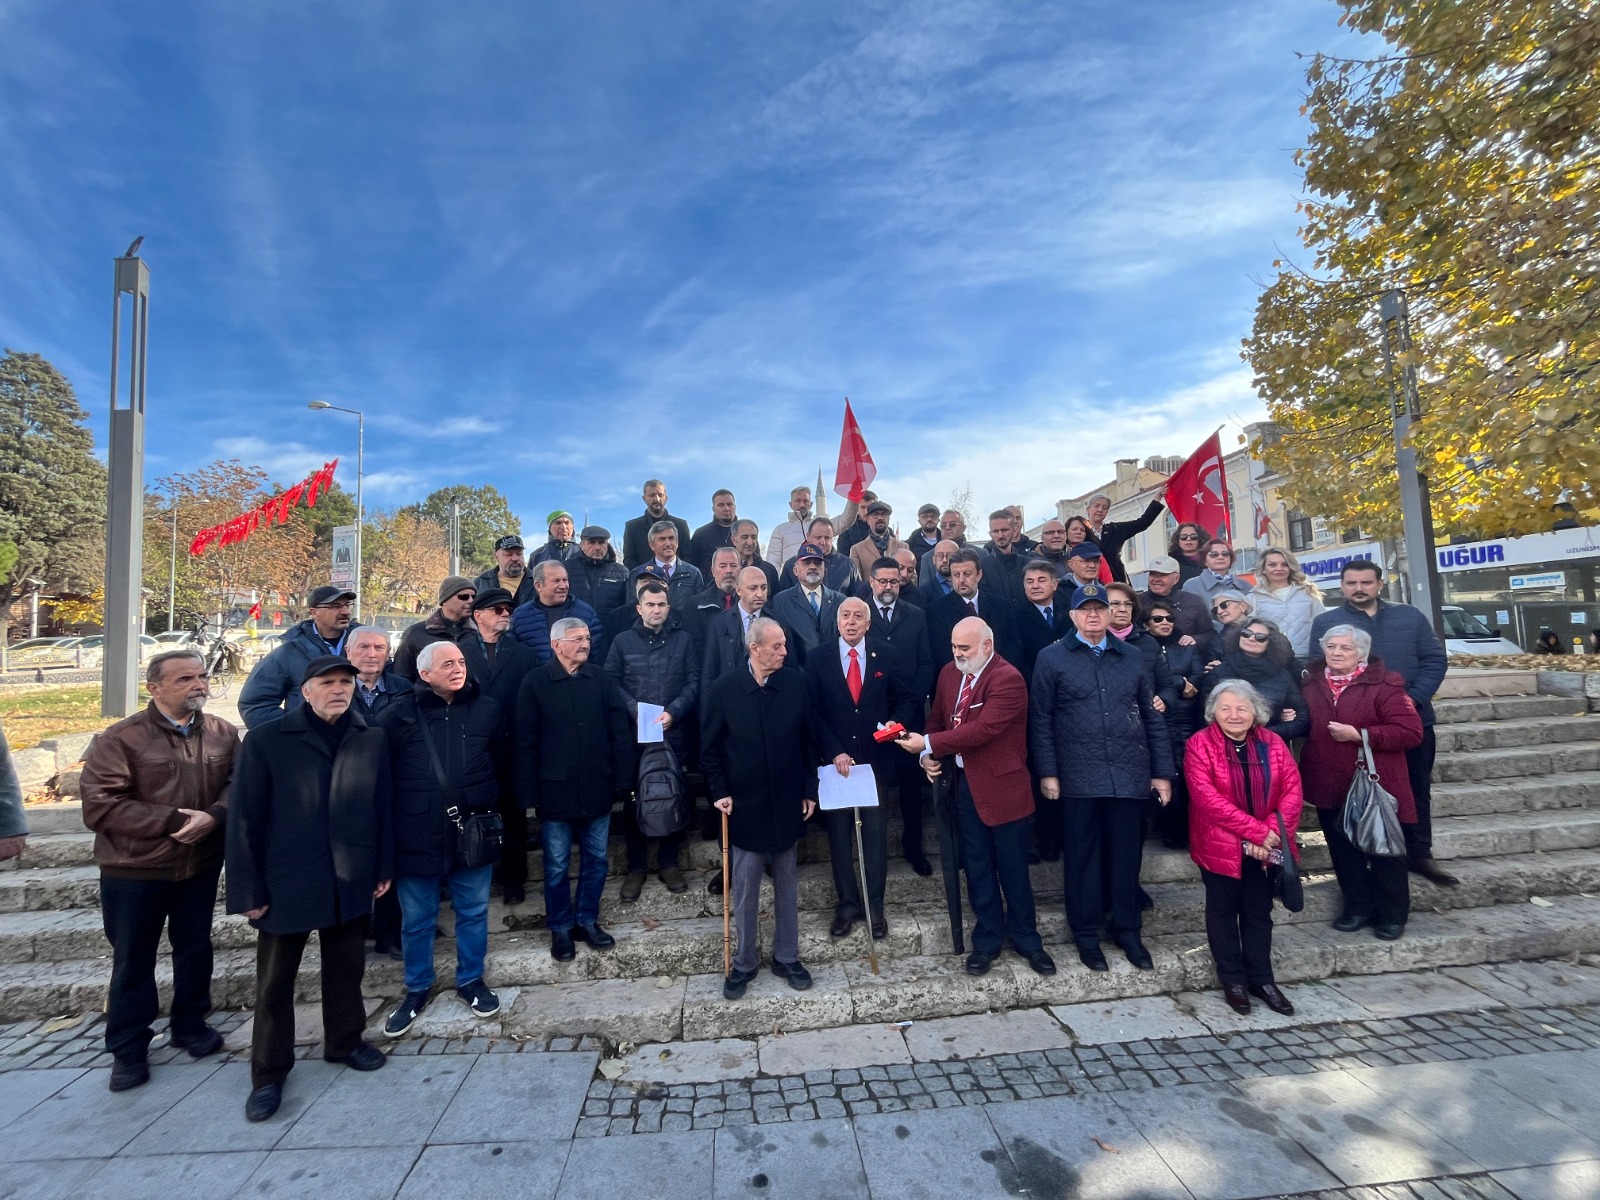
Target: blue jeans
{"type": "Point", "coordinates": [419, 916]}
{"type": "Point", "coordinates": [558, 837]}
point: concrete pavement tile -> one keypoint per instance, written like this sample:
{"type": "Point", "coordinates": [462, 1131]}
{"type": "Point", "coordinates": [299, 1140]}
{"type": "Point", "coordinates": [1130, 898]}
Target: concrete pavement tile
{"type": "Point", "coordinates": [692, 1062]}
{"type": "Point", "coordinates": [527, 1170]}
{"type": "Point", "coordinates": [56, 1180]}
{"type": "Point", "coordinates": [213, 1114]}
{"type": "Point", "coordinates": [1136, 1019]}
{"type": "Point", "coordinates": [833, 1049]}
{"type": "Point", "coordinates": [396, 1106]}
{"type": "Point", "coordinates": [1220, 1145]}
{"type": "Point", "coordinates": [171, 1176]}
{"type": "Point", "coordinates": [1540, 984]}
{"type": "Point", "coordinates": [1564, 1083]}
{"type": "Point", "coordinates": [982, 1034]}
{"type": "Point", "coordinates": [1563, 1181]}
{"type": "Point", "coordinates": [1059, 1147]}
{"type": "Point", "coordinates": [21, 1090]}
{"type": "Point", "coordinates": [1461, 1104]}
{"type": "Point", "coordinates": [662, 1166]}
{"type": "Point", "coordinates": [1314, 1004]}
{"type": "Point", "coordinates": [1409, 993]}
{"type": "Point", "coordinates": [939, 1154]}
{"type": "Point", "coordinates": [86, 1120]}
{"type": "Point", "coordinates": [527, 1097]}
{"type": "Point", "coordinates": [1360, 1135]}
{"type": "Point", "coordinates": [790, 1162]}
{"type": "Point", "coordinates": [367, 1174]}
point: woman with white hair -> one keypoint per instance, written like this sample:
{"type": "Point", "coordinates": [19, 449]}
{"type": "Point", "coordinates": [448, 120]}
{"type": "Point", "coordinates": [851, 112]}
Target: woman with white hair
{"type": "Point", "coordinates": [1242, 785]}
{"type": "Point", "coordinates": [1347, 693]}
{"type": "Point", "coordinates": [1284, 596]}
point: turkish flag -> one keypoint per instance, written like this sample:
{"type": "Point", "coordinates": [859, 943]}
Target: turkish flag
{"type": "Point", "coordinates": [1198, 490]}
{"type": "Point", "coordinates": [255, 611]}
{"type": "Point", "coordinates": [856, 468]}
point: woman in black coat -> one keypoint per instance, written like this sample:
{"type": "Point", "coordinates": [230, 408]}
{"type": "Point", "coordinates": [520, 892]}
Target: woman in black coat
{"type": "Point", "coordinates": [1256, 651]}
{"type": "Point", "coordinates": [1185, 659]}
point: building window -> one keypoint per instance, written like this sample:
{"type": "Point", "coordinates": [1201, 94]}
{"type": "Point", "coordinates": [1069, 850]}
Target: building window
{"type": "Point", "coordinates": [1350, 534]}
{"type": "Point", "coordinates": [1301, 534]}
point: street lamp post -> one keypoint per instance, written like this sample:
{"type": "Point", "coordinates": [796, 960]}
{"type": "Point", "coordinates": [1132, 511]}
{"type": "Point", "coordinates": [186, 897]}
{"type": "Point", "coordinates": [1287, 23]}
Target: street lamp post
{"type": "Point", "coordinates": [361, 439]}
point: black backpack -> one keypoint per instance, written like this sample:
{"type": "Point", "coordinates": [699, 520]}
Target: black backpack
{"type": "Point", "coordinates": [663, 795]}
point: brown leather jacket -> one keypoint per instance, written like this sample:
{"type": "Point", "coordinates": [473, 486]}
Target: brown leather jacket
{"type": "Point", "coordinates": [138, 774]}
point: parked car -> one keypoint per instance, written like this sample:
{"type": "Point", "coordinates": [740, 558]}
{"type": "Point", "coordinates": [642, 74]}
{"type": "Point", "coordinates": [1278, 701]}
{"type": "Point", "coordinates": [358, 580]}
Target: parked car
{"type": "Point", "coordinates": [35, 651]}
{"type": "Point", "coordinates": [1466, 634]}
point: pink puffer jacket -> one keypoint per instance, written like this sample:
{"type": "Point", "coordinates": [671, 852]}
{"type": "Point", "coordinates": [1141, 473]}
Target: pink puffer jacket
{"type": "Point", "coordinates": [1218, 822]}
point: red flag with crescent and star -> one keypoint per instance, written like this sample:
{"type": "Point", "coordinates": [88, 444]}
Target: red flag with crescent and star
{"type": "Point", "coordinates": [856, 468]}
{"type": "Point", "coordinates": [1198, 490]}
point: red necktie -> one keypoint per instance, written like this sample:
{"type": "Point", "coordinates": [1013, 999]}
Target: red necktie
{"type": "Point", "coordinates": [852, 677]}
{"type": "Point", "coordinates": [727, 603]}
{"type": "Point", "coordinates": [961, 699]}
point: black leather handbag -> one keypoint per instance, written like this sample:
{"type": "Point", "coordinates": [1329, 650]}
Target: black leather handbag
{"type": "Point", "coordinates": [480, 836]}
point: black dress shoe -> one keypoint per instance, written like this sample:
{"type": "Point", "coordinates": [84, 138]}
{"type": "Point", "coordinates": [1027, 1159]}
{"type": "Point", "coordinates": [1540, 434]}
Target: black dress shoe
{"type": "Point", "coordinates": [1388, 932]}
{"type": "Point", "coordinates": [1351, 922]}
{"type": "Point", "coordinates": [715, 886]}
{"type": "Point", "coordinates": [842, 925]}
{"type": "Point", "coordinates": [978, 963]}
{"type": "Point", "coordinates": [880, 926]}
{"type": "Point", "coordinates": [263, 1102]}
{"type": "Point", "coordinates": [199, 1045]}
{"type": "Point", "coordinates": [918, 862]}
{"type": "Point", "coordinates": [799, 978]}
{"type": "Point", "coordinates": [515, 894]}
{"type": "Point", "coordinates": [1094, 958]}
{"type": "Point", "coordinates": [734, 985]}
{"type": "Point", "coordinates": [1137, 954]}
{"type": "Point", "coordinates": [594, 935]}
{"type": "Point", "coordinates": [363, 1058]}
{"type": "Point", "coordinates": [1042, 963]}
{"type": "Point", "coordinates": [1273, 998]}
{"type": "Point", "coordinates": [1238, 999]}
{"type": "Point", "coordinates": [1429, 868]}
{"type": "Point", "coordinates": [561, 948]}
{"type": "Point", "coordinates": [129, 1073]}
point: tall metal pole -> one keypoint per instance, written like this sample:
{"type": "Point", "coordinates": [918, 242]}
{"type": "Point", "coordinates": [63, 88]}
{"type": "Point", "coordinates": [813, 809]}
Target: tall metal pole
{"type": "Point", "coordinates": [1415, 510]}
{"type": "Point", "coordinates": [455, 537]}
{"type": "Point", "coordinates": [125, 492]}
{"type": "Point", "coordinates": [172, 573]}
{"type": "Point", "coordinates": [361, 474]}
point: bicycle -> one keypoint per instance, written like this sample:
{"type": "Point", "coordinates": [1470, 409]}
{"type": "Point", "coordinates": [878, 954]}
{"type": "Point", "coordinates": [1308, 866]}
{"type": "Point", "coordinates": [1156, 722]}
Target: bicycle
{"type": "Point", "coordinates": [221, 657]}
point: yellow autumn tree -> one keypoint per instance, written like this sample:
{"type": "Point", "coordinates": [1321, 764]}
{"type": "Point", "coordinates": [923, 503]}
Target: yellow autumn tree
{"type": "Point", "coordinates": [1460, 164]}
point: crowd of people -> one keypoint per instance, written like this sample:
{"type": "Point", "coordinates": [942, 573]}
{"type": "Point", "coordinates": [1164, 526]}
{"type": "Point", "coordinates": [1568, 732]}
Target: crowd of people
{"type": "Point", "coordinates": [1021, 694]}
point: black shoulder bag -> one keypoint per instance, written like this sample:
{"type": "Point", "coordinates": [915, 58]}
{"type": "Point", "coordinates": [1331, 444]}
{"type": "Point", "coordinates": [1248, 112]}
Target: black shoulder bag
{"type": "Point", "coordinates": [479, 835]}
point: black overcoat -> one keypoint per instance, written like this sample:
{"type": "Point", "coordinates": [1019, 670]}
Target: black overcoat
{"type": "Point", "coordinates": [308, 831]}
{"type": "Point", "coordinates": [753, 747]}
{"type": "Point", "coordinates": [574, 742]}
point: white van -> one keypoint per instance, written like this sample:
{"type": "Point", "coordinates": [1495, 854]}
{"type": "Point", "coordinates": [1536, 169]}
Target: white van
{"type": "Point", "coordinates": [1466, 634]}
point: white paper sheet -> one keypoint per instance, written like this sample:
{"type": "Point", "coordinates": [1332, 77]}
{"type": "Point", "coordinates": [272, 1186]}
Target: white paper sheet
{"type": "Point", "coordinates": [859, 789]}
{"type": "Point", "coordinates": [649, 731]}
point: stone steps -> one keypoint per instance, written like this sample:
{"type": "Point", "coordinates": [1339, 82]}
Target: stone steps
{"type": "Point", "coordinates": [1478, 765]}
{"type": "Point", "coordinates": [1505, 708]}
{"type": "Point", "coordinates": [1512, 734]}
{"type": "Point", "coordinates": [1573, 789]}
{"type": "Point", "coordinates": [652, 1002]}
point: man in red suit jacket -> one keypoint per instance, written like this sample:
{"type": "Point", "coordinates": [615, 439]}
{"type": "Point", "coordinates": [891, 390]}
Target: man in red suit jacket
{"type": "Point", "coordinates": [978, 730]}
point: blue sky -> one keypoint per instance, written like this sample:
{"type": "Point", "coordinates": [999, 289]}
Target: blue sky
{"type": "Point", "coordinates": [563, 248]}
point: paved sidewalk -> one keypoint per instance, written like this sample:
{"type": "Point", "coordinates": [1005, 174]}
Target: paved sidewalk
{"type": "Point", "coordinates": [1448, 1095]}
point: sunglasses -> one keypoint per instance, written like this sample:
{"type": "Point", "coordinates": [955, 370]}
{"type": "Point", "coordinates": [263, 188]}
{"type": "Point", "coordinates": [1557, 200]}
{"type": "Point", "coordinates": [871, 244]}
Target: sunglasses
{"type": "Point", "coordinates": [1254, 636]}
{"type": "Point", "coordinates": [466, 595]}
{"type": "Point", "coordinates": [1158, 621]}
{"type": "Point", "coordinates": [501, 610]}
{"type": "Point", "coordinates": [1222, 608]}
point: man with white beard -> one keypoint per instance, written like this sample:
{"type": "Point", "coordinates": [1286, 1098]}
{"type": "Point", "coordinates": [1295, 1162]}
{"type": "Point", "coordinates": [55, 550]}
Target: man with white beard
{"type": "Point", "coordinates": [977, 731]}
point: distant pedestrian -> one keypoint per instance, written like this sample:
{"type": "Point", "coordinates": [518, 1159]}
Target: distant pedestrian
{"type": "Point", "coordinates": [155, 793]}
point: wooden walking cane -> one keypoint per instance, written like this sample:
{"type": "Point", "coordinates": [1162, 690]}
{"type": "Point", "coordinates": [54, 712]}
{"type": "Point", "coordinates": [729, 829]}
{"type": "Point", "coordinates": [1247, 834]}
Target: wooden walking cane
{"type": "Point", "coordinates": [727, 935]}
{"type": "Point", "coordinates": [861, 862]}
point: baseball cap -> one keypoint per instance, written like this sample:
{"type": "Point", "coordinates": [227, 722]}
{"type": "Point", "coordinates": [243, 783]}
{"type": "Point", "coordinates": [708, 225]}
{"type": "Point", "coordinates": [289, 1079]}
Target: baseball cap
{"type": "Point", "coordinates": [595, 533]}
{"type": "Point", "coordinates": [488, 599]}
{"type": "Point", "coordinates": [811, 550]}
{"type": "Point", "coordinates": [1089, 593]}
{"type": "Point", "coordinates": [510, 542]}
{"type": "Point", "coordinates": [327, 595]}
{"type": "Point", "coordinates": [1085, 550]}
{"type": "Point", "coordinates": [1163, 564]}
{"type": "Point", "coordinates": [326, 665]}
{"type": "Point", "coordinates": [650, 572]}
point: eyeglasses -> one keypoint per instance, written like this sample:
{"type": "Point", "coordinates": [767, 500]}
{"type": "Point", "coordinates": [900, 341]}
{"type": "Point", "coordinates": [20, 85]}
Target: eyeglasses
{"type": "Point", "coordinates": [1251, 635]}
{"type": "Point", "coordinates": [337, 604]}
{"type": "Point", "coordinates": [501, 610]}
{"type": "Point", "coordinates": [1121, 604]}
{"type": "Point", "coordinates": [466, 595]}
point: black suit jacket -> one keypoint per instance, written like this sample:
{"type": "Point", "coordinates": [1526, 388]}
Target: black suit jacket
{"type": "Point", "coordinates": [724, 648]}
{"type": "Point", "coordinates": [1034, 633]}
{"type": "Point", "coordinates": [946, 612]}
{"type": "Point", "coordinates": [707, 540]}
{"type": "Point", "coordinates": [907, 636]}
{"type": "Point", "coordinates": [636, 538]}
{"type": "Point", "coordinates": [839, 725]}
